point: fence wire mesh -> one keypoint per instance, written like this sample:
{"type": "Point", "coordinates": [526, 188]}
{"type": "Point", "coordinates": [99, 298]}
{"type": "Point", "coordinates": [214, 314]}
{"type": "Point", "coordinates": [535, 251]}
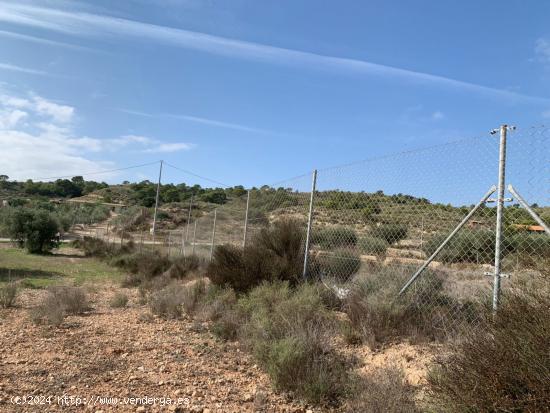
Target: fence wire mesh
{"type": "Point", "coordinates": [376, 222]}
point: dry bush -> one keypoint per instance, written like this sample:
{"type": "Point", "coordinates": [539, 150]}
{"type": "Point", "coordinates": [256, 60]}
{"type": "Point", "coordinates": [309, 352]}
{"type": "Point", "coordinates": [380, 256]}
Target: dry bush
{"type": "Point", "coordinates": [193, 293]}
{"type": "Point", "coordinates": [424, 312]}
{"type": "Point", "coordinates": [274, 254]}
{"type": "Point", "coordinates": [146, 264]}
{"type": "Point", "coordinates": [8, 294]}
{"type": "Point", "coordinates": [384, 390]}
{"type": "Point", "coordinates": [219, 306]}
{"type": "Point", "coordinates": [131, 280]}
{"type": "Point", "coordinates": [119, 300]}
{"type": "Point", "coordinates": [48, 311]}
{"type": "Point", "coordinates": [504, 364]}
{"type": "Point", "coordinates": [217, 301]}
{"type": "Point", "coordinates": [227, 325]}
{"type": "Point", "coordinates": [60, 301]}
{"type": "Point", "coordinates": [181, 266]}
{"type": "Point", "coordinates": [175, 299]}
{"type": "Point", "coordinates": [72, 300]}
{"type": "Point", "coordinates": [167, 302]}
{"type": "Point", "coordinates": [288, 331]}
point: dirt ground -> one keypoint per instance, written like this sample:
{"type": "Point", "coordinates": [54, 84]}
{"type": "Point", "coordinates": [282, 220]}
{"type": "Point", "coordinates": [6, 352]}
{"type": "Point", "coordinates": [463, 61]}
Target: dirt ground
{"type": "Point", "coordinates": [113, 359]}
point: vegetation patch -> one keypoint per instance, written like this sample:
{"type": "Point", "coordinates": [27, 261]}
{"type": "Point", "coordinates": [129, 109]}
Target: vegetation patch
{"type": "Point", "coordinates": [384, 390]}
{"type": "Point", "coordinates": [8, 294]}
{"type": "Point", "coordinates": [119, 300]}
{"type": "Point", "coordinates": [276, 253]}
{"type": "Point", "coordinates": [424, 312]}
{"type": "Point", "coordinates": [59, 302]}
{"type": "Point", "coordinates": [335, 237]}
{"type": "Point", "coordinates": [504, 364]}
{"type": "Point", "coordinates": [390, 232]}
{"type": "Point", "coordinates": [341, 263]}
{"type": "Point", "coordinates": [288, 332]}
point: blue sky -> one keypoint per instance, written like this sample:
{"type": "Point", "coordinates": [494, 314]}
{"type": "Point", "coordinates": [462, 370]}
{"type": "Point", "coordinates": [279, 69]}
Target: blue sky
{"type": "Point", "coordinates": [252, 92]}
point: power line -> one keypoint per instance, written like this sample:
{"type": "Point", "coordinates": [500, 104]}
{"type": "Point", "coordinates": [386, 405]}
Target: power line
{"type": "Point", "coordinates": [96, 172]}
{"type": "Point", "coordinates": [196, 175]}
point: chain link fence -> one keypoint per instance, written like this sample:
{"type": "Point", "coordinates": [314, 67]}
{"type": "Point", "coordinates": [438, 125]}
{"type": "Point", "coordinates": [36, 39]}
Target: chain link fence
{"type": "Point", "coordinates": [370, 226]}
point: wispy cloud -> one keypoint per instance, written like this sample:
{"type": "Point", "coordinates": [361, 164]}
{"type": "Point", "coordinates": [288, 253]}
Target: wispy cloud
{"type": "Point", "coordinates": [89, 24]}
{"type": "Point", "coordinates": [201, 120]}
{"type": "Point", "coordinates": [438, 115]}
{"type": "Point", "coordinates": [542, 50]}
{"type": "Point", "coordinates": [40, 40]}
{"type": "Point", "coordinates": [170, 147]}
{"type": "Point", "coordinates": [15, 68]}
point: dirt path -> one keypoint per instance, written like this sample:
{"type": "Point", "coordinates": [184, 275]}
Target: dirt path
{"type": "Point", "coordinates": [119, 353]}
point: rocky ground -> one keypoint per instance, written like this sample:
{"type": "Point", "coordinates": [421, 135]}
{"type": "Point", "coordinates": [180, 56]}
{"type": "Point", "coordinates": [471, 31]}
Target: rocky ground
{"type": "Point", "coordinates": [125, 355]}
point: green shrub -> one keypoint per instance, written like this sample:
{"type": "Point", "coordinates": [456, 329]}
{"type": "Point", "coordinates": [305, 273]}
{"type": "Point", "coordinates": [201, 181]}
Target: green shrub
{"type": "Point", "coordinates": [504, 364]}
{"type": "Point", "coordinates": [288, 333]}
{"type": "Point", "coordinates": [119, 300]}
{"type": "Point", "coordinates": [478, 246]}
{"type": "Point", "coordinates": [35, 230]}
{"type": "Point", "coordinates": [276, 253]}
{"type": "Point", "coordinates": [93, 247]}
{"type": "Point", "coordinates": [384, 390]}
{"type": "Point", "coordinates": [8, 294]}
{"type": "Point", "coordinates": [228, 268]}
{"type": "Point", "coordinates": [148, 264]}
{"type": "Point", "coordinates": [334, 237]}
{"type": "Point", "coordinates": [467, 246]}
{"type": "Point", "coordinates": [390, 232]}
{"type": "Point", "coordinates": [372, 245]}
{"type": "Point", "coordinates": [341, 264]}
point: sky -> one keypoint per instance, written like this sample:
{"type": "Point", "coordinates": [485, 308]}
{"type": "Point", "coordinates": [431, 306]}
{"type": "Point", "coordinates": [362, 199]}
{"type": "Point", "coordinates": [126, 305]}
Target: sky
{"type": "Point", "coordinates": [251, 92]}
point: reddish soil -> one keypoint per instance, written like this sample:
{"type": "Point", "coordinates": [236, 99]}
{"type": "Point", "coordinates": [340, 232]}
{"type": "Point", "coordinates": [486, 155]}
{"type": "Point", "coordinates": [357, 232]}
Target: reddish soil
{"type": "Point", "coordinates": [125, 353]}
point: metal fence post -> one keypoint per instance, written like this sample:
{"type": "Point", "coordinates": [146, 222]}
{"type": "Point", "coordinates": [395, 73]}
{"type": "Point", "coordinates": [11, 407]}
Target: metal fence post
{"type": "Point", "coordinates": [188, 219]}
{"type": "Point", "coordinates": [156, 204]}
{"type": "Point", "coordinates": [213, 235]}
{"type": "Point", "coordinates": [183, 242]}
{"type": "Point", "coordinates": [309, 222]}
{"type": "Point", "coordinates": [246, 218]}
{"type": "Point", "coordinates": [194, 237]}
{"type": "Point", "coordinates": [169, 242]}
{"type": "Point", "coordinates": [500, 206]}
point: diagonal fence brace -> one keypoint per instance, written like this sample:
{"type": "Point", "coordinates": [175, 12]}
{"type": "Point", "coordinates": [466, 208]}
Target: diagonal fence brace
{"type": "Point", "coordinates": [451, 235]}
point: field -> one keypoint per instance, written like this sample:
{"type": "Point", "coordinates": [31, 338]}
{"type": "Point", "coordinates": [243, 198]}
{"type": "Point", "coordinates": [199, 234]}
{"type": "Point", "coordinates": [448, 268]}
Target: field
{"type": "Point", "coordinates": [220, 309]}
{"type": "Point", "coordinates": [66, 265]}
{"type": "Point", "coordinates": [117, 352]}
